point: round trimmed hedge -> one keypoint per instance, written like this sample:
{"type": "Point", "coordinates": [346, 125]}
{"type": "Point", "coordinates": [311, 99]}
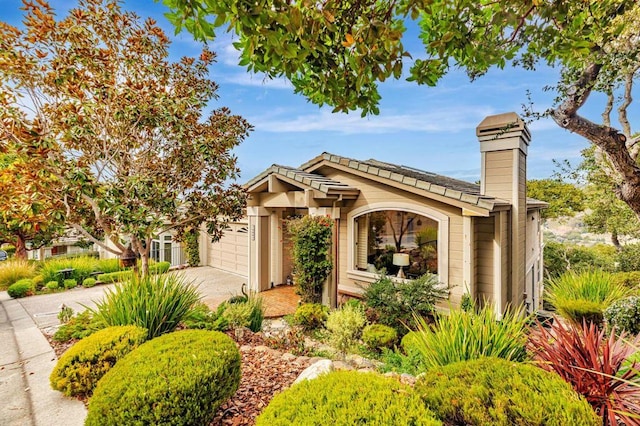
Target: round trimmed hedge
{"type": "Point", "coordinates": [21, 288]}
{"type": "Point", "coordinates": [347, 398]}
{"type": "Point", "coordinates": [179, 378]}
{"type": "Point", "coordinates": [79, 368]}
{"type": "Point", "coordinates": [493, 391]}
{"type": "Point", "coordinates": [379, 336]}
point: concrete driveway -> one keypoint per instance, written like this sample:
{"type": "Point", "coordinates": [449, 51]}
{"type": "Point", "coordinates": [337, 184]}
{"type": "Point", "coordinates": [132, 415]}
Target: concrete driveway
{"type": "Point", "coordinates": [214, 285]}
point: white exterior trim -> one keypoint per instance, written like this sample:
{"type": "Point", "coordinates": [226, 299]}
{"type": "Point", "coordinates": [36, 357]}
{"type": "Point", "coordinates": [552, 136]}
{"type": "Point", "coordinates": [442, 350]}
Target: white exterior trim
{"type": "Point", "coordinates": [443, 233]}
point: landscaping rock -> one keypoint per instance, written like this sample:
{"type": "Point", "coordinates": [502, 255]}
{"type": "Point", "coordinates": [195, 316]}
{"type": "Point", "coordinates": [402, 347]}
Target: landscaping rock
{"type": "Point", "coordinates": [321, 367]}
{"type": "Point", "coordinates": [407, 379]}
{"type": "Point", "coordinates": [341, 365]}
{"type": "Point", "coordinates": [288, 357]}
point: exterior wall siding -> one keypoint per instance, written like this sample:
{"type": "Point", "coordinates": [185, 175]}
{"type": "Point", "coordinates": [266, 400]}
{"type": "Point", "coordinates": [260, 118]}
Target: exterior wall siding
{"type": "Point", "coordinates": [483, 251]}
{"type": "Point", "coordinates": [372, 192]}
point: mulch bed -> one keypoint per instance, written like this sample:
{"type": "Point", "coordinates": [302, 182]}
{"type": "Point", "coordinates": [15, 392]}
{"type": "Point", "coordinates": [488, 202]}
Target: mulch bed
{"type": "Point", "coordinates": [265, 372]}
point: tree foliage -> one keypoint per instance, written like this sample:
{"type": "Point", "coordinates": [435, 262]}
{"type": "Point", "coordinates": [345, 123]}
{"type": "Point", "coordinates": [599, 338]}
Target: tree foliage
{"type": "Point", "coordinates": [606, 213]}
{"type": "Point", "coordinates": [31, 210]}
{"type": "Point", "coordinates": [564, 198]}
{"type": "Point", "coordinates": [337, 52]}
{"type": "Point", "coordinates": [122, 129]}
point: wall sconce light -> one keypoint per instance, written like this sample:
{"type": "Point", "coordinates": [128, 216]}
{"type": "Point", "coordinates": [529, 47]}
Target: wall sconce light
{"type": "Point", "coordinates": [401, 260]}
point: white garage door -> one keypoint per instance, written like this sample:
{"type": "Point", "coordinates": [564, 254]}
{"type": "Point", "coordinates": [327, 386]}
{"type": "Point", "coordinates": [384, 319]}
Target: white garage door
{"type": "Point", "coordinates": [231, 253]}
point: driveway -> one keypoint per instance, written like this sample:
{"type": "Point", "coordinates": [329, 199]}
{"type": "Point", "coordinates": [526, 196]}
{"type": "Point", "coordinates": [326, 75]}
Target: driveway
{"type": "Point", "coordinates": [214, 285]}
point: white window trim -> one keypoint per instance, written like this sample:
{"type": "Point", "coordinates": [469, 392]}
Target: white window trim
{"type": "Point", "coordinates": [443, 237]}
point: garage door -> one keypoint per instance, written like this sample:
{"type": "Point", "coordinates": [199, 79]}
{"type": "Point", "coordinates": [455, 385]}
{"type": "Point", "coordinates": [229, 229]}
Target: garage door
{"type": "Point", "coordinates": [231, 253]}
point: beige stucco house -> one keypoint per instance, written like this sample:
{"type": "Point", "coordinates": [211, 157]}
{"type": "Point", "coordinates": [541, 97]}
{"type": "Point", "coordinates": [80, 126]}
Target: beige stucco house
{"type": "Point", "coordinates": [484, 239]}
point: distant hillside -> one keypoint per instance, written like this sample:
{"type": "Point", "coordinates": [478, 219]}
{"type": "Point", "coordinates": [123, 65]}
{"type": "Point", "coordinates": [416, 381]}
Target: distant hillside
{"type": "Point", "coordinates": [572, 230]}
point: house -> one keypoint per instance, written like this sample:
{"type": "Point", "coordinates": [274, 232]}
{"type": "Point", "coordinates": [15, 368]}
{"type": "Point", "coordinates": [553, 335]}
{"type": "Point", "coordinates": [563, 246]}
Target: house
{"type": "Point", "coordinates": [484, 240]}
{"type": "Point", "coordinates": [69, 244]}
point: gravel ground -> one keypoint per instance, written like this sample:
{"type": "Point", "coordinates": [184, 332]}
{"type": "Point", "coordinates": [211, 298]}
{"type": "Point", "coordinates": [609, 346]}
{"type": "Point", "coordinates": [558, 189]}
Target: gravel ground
{"type": "Point", "coordinates": [265, 372]}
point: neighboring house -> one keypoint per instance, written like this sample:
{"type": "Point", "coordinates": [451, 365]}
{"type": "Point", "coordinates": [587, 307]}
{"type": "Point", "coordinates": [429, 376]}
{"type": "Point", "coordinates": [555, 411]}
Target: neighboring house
{"type": "Point", "coordinates": [163, 249]}
{"type": "Point", "coordinates": [70, 243]}
{"type": "Point", "coordinates": [484, 239]}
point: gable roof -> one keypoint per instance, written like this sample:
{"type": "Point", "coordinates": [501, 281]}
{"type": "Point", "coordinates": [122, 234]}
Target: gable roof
{"type": "Point", "coordinates": [301, 178]}
{"type": "Point", "coordinates": [454, 189]}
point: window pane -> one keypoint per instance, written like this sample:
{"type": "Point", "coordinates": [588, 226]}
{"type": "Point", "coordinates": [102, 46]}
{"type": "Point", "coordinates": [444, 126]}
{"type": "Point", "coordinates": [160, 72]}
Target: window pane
{"type": "Point", "coordinates": [381, 234]}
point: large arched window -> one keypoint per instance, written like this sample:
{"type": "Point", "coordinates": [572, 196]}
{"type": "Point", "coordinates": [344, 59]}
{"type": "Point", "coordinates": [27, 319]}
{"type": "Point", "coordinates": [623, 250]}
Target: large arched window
{"type": "Point", "coordinates": [377, 232]}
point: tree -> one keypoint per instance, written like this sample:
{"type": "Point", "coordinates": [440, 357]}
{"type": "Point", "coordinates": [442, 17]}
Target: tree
{"type": "Point", "coordinates": [121, 128]}
{"type": "Point", "coordinates": [31, 211]}
{"type": "Point", "coordinates": [337, 52]}
{"type": "Point", "coordinates": [564, 198]}
{"type": "Point", "coordinates": [606, 213]}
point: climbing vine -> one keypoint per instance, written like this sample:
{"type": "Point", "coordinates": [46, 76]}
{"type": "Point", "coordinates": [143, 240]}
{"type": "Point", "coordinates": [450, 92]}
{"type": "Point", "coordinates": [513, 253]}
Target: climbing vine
{"type": "Point", "coordinates": [312, 264]}
{"type": "Point", "coordinates": [192, 247]}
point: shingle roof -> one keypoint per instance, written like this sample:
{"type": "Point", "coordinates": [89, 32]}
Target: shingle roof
{"type": "Point", "coordinates": [431, 182]}
{"type": "Point", "coordinates": [454, 189]}
{"type": "Point", "coordinates": [313, 180]}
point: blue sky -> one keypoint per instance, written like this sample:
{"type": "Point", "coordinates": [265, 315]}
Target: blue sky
{"type": "Point", "coordinates": [423, 127]}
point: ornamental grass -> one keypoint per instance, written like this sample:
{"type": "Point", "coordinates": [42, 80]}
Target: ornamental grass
{"type": "Point", "coordinates": [463, 336]}
{"type": "Point", "coordinates": [594, 362]}
{"type": "Point", "coordinates": [157, 303]}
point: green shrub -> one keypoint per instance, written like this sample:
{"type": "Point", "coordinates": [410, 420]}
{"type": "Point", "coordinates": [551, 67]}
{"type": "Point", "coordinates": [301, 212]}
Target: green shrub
{"type": "Point", "coordinates": [82, 267]}
{"type": "Point", "coordinates": [396, 302]}
{"type": "Point", "coordinates": [394, 360]}
{"type": "Point", "coordinates": [52, 285]}
{"type": "Point", "coordinates": [379, 336]}
{"type": "Point", "coordinates": [311, 316]}
{"type": "Point", "coordinates": [624, 315]}
{"type": "Point", "coordinates": [78, 370]}
{"type": "Point", "coordinates": [344, 326]}
{"type": "Point", "coordinates": [410, 342]}
{"type": "Point", "coordinates": [89, 282]}
{"type": "Point", "coordinates": [594, 286]}
{"type": "Point", "coordinates": [157, 303]}
{"type": "Point", "coordinates": [78, 327]}
{"type": "Point", "coordinates": [159, 268]}
{"type": "Point", "coordinates": [10, 249]}
{"type": "Point", "coordinates": [311, 254]}
{"type": "Point", "coordinates": [192, 247]}
{"type": "Point", "coordinates": [21, 288]}
{"type": "Point", "coordinates": [629, 258]}
{"type": "Point", "coordinates": [201, 317]}
{"type": "Point", "coordinates": [70, 283]}
{"type": "Point", "coordinates": [65, 314]}
{"type": "Point", "coordinates": [582, 310]}
{"type": "Point", "coordinates": [179, 378]}
{"type": "Point", "coordinates": [492, 391]}
{"type": "Point", "coordinates": [115, 277]}
{"type": "Point", "coordinates": [108, 265]}
{"type": "Point", "coordinates": [559, 258]}
{"type": "Point", "coordinates": [462, 336]}
{"type": "Point", "coordinates": [38, 282]}
{"type": "Point", "coordinates": [248, 314]}
{"type": "Point", "coordinates": [630, 280]}
{"type": "Point", "coordinates": [15, 270]}
{"type": "Point", "coordinates": [347, 398]}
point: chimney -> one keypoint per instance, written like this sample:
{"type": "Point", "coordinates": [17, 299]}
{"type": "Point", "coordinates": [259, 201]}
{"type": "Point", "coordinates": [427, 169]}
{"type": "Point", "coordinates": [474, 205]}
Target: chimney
{"type": "Point", "coordinates": [504, 139]}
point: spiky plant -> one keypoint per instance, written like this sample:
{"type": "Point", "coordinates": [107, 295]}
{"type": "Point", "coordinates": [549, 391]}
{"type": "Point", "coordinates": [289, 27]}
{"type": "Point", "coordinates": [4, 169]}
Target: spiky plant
{"type": "Point", "coordinates": [593, 362]}
{"type": "Point", "coordinates": [462, 336]}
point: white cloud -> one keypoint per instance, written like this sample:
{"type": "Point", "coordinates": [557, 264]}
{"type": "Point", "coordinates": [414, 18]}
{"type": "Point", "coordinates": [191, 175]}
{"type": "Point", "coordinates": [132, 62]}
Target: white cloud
{"type": "Point", "coordinates": [449, 119]}
{"type": "Point", "coordinates": [256, 80]}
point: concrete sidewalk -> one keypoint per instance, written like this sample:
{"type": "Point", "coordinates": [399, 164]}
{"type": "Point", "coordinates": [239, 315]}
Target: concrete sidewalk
{"type": "Point", "coordinates": [26, 360]}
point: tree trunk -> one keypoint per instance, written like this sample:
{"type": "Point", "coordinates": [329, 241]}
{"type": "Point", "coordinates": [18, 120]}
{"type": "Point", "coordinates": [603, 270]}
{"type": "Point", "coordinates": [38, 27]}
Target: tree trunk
{"type": "Point", "coordinates": [21, 248]}
{"type": "Point", "coordinates": [611, 141]}
{"type": "Point", "coordinates": [615, 241]}
{"type": "Point", "coordinates": [144, 263]}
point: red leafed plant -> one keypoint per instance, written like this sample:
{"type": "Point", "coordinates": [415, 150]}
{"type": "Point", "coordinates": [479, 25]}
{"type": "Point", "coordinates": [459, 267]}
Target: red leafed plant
{"type": "Point", "coordinates": [594, 364]}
